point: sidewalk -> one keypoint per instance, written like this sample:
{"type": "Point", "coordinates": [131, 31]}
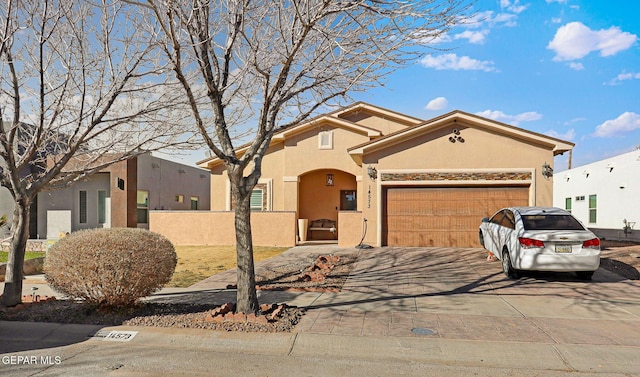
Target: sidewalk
{"type": "Point", "coordinates": [438, 305]}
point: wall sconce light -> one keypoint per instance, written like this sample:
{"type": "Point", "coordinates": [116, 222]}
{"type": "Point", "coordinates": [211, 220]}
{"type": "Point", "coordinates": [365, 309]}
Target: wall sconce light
{"type": "Point", "coordinates": [372, 172]}
{"type": "Point", "coordinates": [456, 136]}
{"type": "Point", "coordinates": [547, 170]}
{"type": "Point", "coordinates": [610, 167]}
{"type": "Point", "coordinates": [586, 173]}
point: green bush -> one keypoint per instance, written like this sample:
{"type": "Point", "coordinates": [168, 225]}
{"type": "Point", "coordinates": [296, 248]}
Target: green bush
{"type": "Point", "coordinates": [111, 267]}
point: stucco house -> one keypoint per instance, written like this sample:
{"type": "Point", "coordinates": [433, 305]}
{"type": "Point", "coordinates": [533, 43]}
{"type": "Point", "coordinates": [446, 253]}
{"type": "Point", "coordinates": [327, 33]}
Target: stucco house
{"type": "Point", "coordinates": [120, 196]}
{"type": "Point", "coordinates": [365, 172]}
{"type": "Point", "coordinates": [604, 195]}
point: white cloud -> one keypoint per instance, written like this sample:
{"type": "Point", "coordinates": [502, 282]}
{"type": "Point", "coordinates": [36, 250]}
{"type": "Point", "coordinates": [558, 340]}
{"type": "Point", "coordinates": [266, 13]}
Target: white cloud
{"type": "Point", "coordinates": [569, 135]}
{"type": "Point", "coordinates": [623, 77]}
{"type": "Point", "coordinates": [514, 6]}
{"type": "Point", "coordinates": [510, 119]}
{"type": "Point", "coordinates": [556, 20]}
{"type": "Point", "coordinates": [456, 63]}
{"type": "Point", "coordinates": [575, 41]}
{"type": "Point", "coordinates": [475, 37]}
{"type": "Point", "coordinates": [576, 66]}
{"type": "Point", "coordinates": [626, 122]}
{"type": "Point", "coordinates": [575, 120]}
{"type": "Point", "coordinates": [488, 19]}
{"type": "Point", "coordinates": [438, 103]}
{"type": "Point", "coordinates": [556, 1]}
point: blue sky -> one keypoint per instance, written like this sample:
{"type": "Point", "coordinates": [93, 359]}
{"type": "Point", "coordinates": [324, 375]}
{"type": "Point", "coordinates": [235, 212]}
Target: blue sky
{"type": "Point", "coordinates": [566, 68]}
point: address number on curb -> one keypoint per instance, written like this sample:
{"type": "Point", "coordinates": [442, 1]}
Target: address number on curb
{"type": "Point", "coordinates": [116, 336]}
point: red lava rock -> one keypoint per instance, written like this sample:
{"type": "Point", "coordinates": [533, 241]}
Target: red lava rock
{"type": "Point", "coordinates": [276, 313]}
{"type": "Point", "coordinates": [239, 317]}
{"type": "Point", "coordinates": [267, 307]}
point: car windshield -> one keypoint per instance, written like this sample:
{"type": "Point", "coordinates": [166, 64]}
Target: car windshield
{"type": "Point", "coordinates": [551, 222]}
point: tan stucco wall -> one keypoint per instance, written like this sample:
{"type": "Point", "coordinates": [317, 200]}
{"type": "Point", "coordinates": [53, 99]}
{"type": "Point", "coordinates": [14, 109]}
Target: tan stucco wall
{"type": "Point", "coordinates": [350, 228]}
{"type": "Point", "coordinates": [296, 156]}
{"type": "Point", "coordinates": [480, 150]}
{"type": "Point", "coordinates": [486, 149]}
{"type": "Point", "coordinates": [319, 201]}
{"type": "Point", "coordinates": [217, 228]}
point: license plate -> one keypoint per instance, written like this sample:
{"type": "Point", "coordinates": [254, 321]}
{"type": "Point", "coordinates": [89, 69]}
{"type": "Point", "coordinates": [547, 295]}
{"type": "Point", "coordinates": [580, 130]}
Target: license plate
{"type": "Point", "coordinates": [563, 248]}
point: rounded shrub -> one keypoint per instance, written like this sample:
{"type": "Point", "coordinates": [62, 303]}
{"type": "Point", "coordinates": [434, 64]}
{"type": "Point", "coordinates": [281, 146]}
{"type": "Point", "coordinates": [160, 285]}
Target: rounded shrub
{"type": "Point", "coordinates": [110, 267]}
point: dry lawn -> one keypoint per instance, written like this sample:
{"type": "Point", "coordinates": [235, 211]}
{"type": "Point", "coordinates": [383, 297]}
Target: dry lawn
{"type": "Point", "coordinates": [196, 263]}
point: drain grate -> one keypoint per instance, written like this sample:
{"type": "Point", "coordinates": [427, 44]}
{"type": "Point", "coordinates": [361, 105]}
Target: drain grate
{"type": "Point", "coordinates": [422, 331]}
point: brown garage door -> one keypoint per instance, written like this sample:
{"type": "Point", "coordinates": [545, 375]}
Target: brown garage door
{"type": "Point", "coordinates": [443, 216]}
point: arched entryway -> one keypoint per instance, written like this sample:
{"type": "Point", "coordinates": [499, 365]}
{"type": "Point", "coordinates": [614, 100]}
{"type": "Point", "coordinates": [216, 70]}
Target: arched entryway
{"type": "Point", "coordinates": [322, 194]}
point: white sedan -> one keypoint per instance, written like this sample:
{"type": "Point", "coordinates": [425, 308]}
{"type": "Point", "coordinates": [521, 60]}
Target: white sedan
{"type": "Point", "coordinates": [541, 239]}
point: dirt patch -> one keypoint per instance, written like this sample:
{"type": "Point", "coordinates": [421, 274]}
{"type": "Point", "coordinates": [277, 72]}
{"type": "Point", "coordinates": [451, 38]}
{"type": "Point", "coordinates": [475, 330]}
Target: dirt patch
{"type": "Point", "coordinates": [622, 258]}
{"type": "Point", "coordinates": [327, 273]}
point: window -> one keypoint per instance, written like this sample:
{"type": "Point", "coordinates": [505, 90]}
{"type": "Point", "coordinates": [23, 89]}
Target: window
{"type": "Point", "coordinates": [325, 140]}
{"type": "Point", "coordinates": [102, 206]}
{"type": "Point", "coordinates": [567, 204]}
{"type": "Point", "coordinates": [257, 200]}
{"type": "Point", "coordinates": [593, 201]}
{"type": "Point", "coordinates": [194, 202]}
{"type": "Point", "coordinates": [83, 207]}
{"type": "Point", "coordinates": [508, 221]}
{"type": "Point", "coordinates": [143, 207]}
{"type": "Point", "coordinates": [551, 222]}
{"type": "Point", "coordinates": [179, 198]}
{"type": "Point", "coordinates": [348, 200]}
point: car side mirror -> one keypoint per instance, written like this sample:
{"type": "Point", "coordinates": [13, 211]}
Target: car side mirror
{"type": "Point", "coordinates": [485, 219]}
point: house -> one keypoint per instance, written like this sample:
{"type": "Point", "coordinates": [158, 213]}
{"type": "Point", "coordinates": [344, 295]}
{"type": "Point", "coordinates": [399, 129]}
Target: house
{"type": "Point", "coordinates": [604, 195]}
{"type": "Point", "coordinates": [122, 196]}
{"type": "Point", "coordinates": [52, 142]}
{"type": "Point", "coordinates": [367, 173]}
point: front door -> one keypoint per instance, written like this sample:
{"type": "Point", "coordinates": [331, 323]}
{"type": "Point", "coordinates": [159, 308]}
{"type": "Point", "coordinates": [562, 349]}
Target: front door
{"type": "Point", "coordinates": [348, 201]}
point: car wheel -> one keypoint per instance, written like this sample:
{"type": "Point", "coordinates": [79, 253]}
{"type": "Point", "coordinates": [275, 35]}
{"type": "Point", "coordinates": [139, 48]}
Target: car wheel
{"type": "Point", "coordinates": [507, 268]}
{"type": "Point", "coordinates": [481, 239]}
{"type": "Point", "coordinates": [584, 275]}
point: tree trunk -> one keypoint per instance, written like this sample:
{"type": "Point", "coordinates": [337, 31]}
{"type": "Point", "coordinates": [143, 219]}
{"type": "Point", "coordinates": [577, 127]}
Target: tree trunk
{"type": "Point", "coordinates": [247, 298]}
{"type": "Point", "coordinates": [12, 294]}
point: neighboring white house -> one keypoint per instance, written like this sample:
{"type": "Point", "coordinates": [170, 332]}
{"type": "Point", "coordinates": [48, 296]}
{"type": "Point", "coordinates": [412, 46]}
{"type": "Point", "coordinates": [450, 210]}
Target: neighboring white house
{"type": "Point", "coordinates": [604, 195]}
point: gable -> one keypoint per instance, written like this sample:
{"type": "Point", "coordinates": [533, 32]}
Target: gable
{"type": "Point", "coordinates": [444, 127]}
{"type": "Point", "coordinates": [383, 120]}
{"type": "Point", "coordinates": [459, 146]}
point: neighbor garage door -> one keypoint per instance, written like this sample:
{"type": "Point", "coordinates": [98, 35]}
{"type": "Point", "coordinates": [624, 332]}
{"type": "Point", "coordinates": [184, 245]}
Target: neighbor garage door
{"type": "Point", "coordinates": [443, 216]}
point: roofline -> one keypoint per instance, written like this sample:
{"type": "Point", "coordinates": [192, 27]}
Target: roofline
{"type": "Point", "coordinates": [379, 110]}
{"type": "Point", "coordinates": [559, 146]}
{"type": "Point", "coordinates": [282, 133]}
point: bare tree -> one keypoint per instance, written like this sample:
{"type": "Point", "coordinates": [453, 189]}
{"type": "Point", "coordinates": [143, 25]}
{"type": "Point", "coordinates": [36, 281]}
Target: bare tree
{"type": "Point", "coordinates": [81, 88]}
{"type": "Point", "coordinates": [275, 62]}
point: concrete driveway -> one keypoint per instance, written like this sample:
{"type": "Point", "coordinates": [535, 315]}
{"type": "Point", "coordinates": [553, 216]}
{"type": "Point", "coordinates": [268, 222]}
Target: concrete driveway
{"type": "Point", "coordinates": [453, 294]}
{"type": "Point", "coordinates": [456, 293]}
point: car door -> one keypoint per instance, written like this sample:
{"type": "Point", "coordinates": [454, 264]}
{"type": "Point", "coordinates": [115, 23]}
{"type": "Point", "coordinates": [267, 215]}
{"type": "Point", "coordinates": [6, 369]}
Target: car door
{"type": "Point", "coordinates": [492, 233]}
{"type": "Point", "coordinates": [507, 233]}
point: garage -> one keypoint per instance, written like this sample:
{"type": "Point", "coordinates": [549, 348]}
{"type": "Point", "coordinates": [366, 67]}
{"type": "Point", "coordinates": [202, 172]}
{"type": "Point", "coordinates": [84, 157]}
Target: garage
{"type": "Point", "coordinates": [443, 216]}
